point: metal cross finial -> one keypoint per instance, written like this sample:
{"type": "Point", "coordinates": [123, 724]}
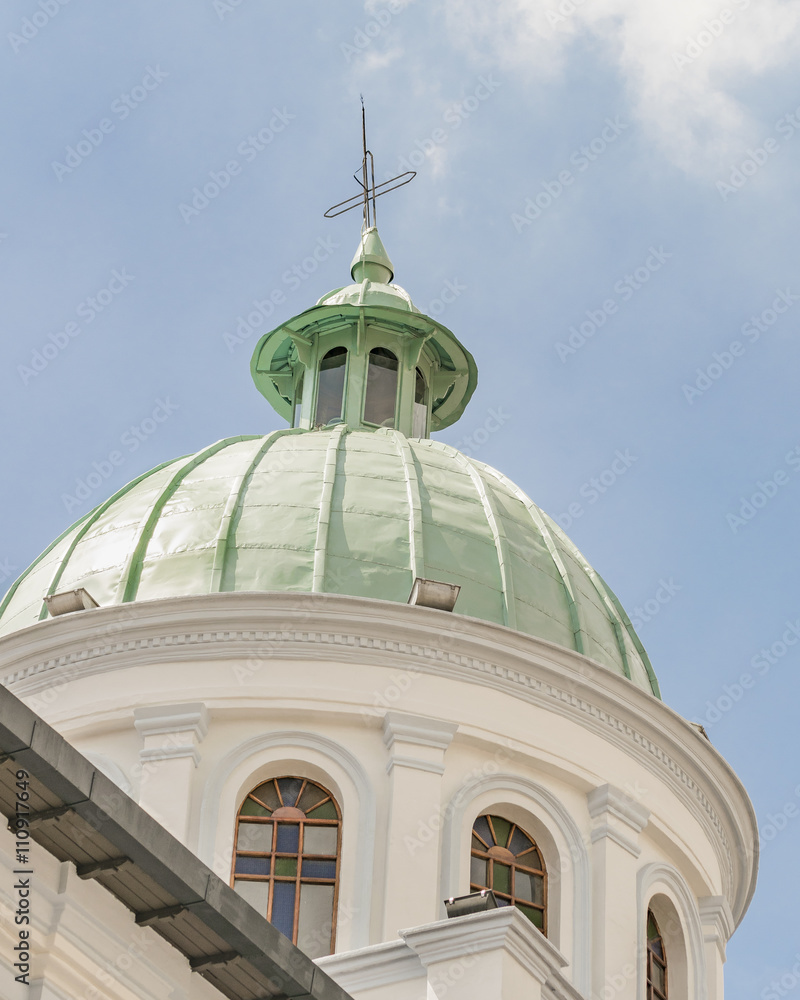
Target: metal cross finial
{"type": "Point", "coordinates": [365, 178]}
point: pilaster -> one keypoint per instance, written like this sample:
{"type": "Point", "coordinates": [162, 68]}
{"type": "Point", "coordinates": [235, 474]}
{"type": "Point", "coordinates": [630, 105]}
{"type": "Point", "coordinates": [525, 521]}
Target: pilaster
{"type": "Point", "coordinates": [415, 766]}
{"type": "Point", "coordinates": [170, 735]}
{"type": "Point", "coordinates": [617, 821]}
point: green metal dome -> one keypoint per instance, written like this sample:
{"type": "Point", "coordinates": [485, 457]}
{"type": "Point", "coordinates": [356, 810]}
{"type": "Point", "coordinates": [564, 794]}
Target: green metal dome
{"type": "Point", "coordinates": [347, 511]}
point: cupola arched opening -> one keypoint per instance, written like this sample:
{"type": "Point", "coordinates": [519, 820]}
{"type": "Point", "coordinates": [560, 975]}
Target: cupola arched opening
{"type": "Point", "coordinates": [330, 386]}
{"type": "Point", "coordinates": [505, 858]}
{"type": "Point", "coordinates": [286, 860]}
{"type": "Point", "coordinates": [380, 400]}
{"type": "Point", "coordinates": [420, 420]}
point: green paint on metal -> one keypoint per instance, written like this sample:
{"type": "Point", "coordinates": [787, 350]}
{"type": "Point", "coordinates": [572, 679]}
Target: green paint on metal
{"type": "Point", "coordinates": [555, 555]}
{"type": "Point", "coordinates": [224, 541]}
{"type": "Point", "coordinates": [323, 524]}
{"type": "Point", "coordinates": [15, 585]}
{"type": "Point", "coordinates": [500, 542]}
{"type": "Point", "coordinates": [129, 582]}
{"type": "Point", "coordinates": [371, 261]}
{"type": "Point", "coordinates": [415, 539]}
{"type": "Point", "coordinates": [343, 510]}
{"type": "Point", "coordinates": [637, 642]}
{"type": "Point", "coordinates": [91, 518]}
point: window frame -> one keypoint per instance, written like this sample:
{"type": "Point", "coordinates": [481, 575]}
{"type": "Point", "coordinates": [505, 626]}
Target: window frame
{"type": "Point", "coordinates": [534, 851]}
{"type": "Point", "coordinates": [653, 992]}
{"type": "Point", "coordinates": [273, 878]}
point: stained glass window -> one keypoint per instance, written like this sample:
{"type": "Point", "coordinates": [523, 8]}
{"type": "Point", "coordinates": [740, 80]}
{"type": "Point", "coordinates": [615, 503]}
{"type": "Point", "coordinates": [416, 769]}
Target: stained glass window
{"type": "Point", "coordinates": [506, 859]}
{"type": "Point", "coordinates": [286, 862]}
{"type": "Point", "coordinates": [656, 961]}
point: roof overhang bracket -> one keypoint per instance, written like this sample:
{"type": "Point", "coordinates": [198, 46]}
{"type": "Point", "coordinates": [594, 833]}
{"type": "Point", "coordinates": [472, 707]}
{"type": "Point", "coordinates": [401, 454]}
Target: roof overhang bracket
{"type": "Point", "coordinates": [101, 867]}
{"type": "Point", "coordinates": [148, 917]}
{"type": "Point", "coordinates": [304, 347]}
{"type": "Point", "coordinates": [211, 961]}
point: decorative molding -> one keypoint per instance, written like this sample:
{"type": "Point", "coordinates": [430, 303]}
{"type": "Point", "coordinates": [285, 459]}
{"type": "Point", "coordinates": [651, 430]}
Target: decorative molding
{"type": "Point", "coordinates": [612, 833]}
{"type": "Point", "coordinates": [166, 719]}
{"type": "Point", "coordinates": [717, 920]}
{"type": "Point", "coordinates": [169, 753]}
{"type": "Point", "coordinates": [377, 965]}
{"type": "Point", "coordinates": [534, 670]}
{"type": "Point", "coordinates": [504, 929]}
{"type": "Point", "coordinates": [416, 729]}
{"type": "Point", "coordinates": [607, 801]}
{"type": "Point", "coordinates": [415, 764]}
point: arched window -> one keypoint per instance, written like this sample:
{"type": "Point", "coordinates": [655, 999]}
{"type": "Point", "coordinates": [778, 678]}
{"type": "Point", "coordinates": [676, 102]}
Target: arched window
{"type": "Point", "coordinates": [505, 859]}
{"type": "Point", "coordinates": [656, 961]}
{"type": "Point", "coordinates": [286, 862]}
{"type": "Point", "coordinates": [381, 398]}
{"type": "Point", "coordinates": [420, 426]}
{"type": "Point", "coordinates": [330, 390]}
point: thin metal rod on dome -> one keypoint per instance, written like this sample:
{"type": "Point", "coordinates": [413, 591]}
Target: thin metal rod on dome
{"type": "Point", "coordinates": [370, 191]}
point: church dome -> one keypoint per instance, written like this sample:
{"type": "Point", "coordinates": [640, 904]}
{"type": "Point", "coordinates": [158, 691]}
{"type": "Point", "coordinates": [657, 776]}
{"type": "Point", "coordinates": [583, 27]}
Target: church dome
{"type": "Point", "coordinates": [344, 510]}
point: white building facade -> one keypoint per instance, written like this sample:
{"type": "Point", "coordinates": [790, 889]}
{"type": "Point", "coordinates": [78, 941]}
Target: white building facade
{"type": "Point", "coordinates": [350, 761]}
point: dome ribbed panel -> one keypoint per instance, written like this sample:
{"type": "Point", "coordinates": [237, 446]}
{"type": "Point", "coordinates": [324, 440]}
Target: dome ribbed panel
{"type": "Point", "coordinates": [351, 512]}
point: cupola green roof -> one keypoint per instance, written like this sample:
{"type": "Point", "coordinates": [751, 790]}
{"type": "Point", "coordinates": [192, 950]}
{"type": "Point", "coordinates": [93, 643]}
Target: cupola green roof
{"type": "Point", "coordinates": [356, 512]}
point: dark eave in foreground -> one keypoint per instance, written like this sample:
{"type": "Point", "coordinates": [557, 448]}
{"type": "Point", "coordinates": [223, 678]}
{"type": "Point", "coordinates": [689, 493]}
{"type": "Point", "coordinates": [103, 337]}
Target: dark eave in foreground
{"type": "Point", "coordinates": [79, 815]}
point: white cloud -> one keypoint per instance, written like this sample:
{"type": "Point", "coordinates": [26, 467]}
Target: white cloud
{"type": "Point", "coordinates": [683, 62]}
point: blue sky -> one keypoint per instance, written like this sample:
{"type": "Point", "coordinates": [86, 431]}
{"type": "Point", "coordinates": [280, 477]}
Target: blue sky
{"type": "Point", "coordinates": [610, 186]}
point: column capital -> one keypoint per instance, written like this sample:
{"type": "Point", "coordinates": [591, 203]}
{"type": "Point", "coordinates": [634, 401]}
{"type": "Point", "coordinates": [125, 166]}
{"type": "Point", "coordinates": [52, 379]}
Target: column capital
{"type": "Point", "coordinates": [717, 920]}
{"type": "Point", "coordinates": [617, 816]}
{"type": "Point", "coordinates": [163, 719]}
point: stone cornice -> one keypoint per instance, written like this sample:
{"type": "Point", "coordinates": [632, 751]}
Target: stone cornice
{"type": "Point", "coordinates": [503, 929]}
{"type": "Point", "coordinates": [325, 626]}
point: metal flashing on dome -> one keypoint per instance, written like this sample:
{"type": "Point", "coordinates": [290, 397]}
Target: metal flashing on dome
{"type": "Point", "coordinates": [69, 601]}
{"type": "Point", "coordinates": [434, 594]}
